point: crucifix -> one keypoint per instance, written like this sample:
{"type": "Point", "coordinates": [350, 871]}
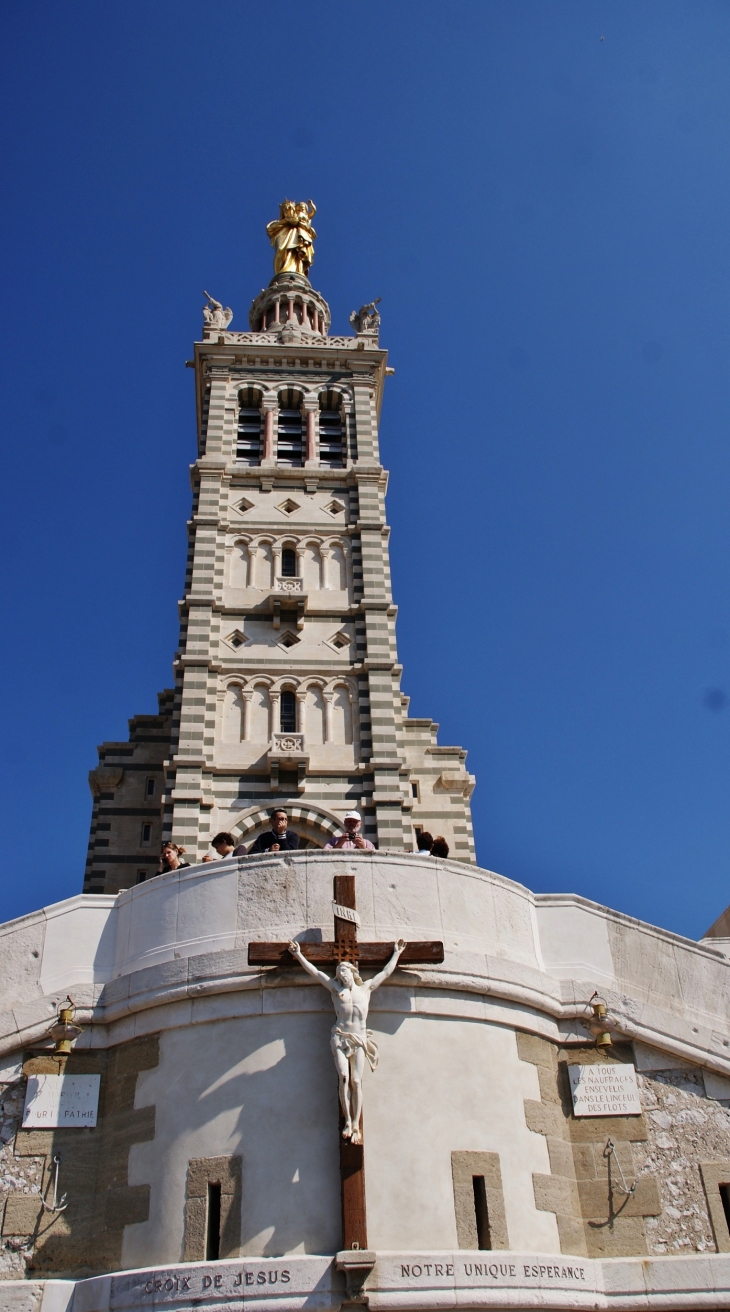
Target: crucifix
{"type": "Point", "coordinates": [351, 1043]}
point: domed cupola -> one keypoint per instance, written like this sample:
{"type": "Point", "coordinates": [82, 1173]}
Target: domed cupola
{"type": "Point", "coordinates": [290, 306]}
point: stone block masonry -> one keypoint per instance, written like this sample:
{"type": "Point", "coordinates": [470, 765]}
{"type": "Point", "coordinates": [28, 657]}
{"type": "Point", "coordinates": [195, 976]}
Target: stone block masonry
{"type": "Point", "coordinates": [287, 623]}
{"type": "Point", "coordinates": [674, 1153]}
{"type": "Point", "coordinates": [87, 1236]}
{"type": "Point", "coordinates": [466, 1168]}
{"type": "Point", "coordinates": [223, 1174]}
{"type": "Point", "coordinates": [128, 788]}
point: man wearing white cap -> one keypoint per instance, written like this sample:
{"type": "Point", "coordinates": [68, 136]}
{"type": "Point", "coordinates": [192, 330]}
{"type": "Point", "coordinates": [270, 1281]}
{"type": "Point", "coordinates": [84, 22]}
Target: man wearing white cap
{"type": "Point", "coordinates": [352, 838]}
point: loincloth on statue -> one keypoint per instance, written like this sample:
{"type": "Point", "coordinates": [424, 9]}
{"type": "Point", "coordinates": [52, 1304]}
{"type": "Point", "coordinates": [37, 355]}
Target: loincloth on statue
{"type": "Point", "coordinates": [349, 1044]}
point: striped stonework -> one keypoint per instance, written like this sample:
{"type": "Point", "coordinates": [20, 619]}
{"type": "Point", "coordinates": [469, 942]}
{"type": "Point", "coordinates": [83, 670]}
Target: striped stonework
{"type": "Point", "coordinates": [287, 682]}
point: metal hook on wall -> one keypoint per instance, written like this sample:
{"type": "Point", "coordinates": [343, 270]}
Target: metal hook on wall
{"type": "Point", "coordinates": [55, 1206]}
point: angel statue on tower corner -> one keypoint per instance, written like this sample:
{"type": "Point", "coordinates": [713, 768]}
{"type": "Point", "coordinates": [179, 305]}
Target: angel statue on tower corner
{"type": "Point", "coordinates": [292, 237]}
{"type": "Point", "coordinates": [215, 315]}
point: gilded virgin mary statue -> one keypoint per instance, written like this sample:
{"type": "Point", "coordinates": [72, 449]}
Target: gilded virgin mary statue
{"type": "Point", "coordinates": [292, 237]}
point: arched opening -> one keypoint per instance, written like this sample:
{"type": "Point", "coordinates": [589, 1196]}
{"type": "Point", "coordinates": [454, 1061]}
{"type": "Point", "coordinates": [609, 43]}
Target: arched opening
{"type": "Point", "coordinates": [260, 715]}
{"type": "Point", "coordinates": [232, 726]}
{"type": "Point", "coordinates": [290, 435]}
{"type": "Point", "coordinates": [308, 835]}
{"type": "Point", "coordinates": [314, 827]}
{"type": "Point", "coordinates": [312, 567]}
{"type": "Point", "coordinates": [288, 712]}
{"type": "Point", "coordinates": [289, 563]}
{"type": "Point", "coordinates": [337, 568]}
{"type": "Point", "coordinates": [248, 438]}
{"type": "Point", "coordinates": [238, 575]}
{"type": "Point", "coordinates": [341, 716]}
{"type": "Point", "coordinates": [264, 576]}
{"type": "Point", "coordinates": [314, 717]}
{"type": "Point", "coordinates": [331, 429]}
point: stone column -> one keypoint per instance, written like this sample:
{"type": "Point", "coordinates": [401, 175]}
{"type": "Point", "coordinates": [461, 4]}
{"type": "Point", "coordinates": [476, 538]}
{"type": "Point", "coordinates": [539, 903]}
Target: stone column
{"type": "Point", "coordinates": [311, 414]}
{"type": "Point", "coordinates": [252, 554]}
{"type": "Point", "coordinates": [275, 699]}
{"type": "Point", "coordinates": [301, 696]}
{"type": "Point", "coordinates": [329, 698]}
{"type": "Point", "coordinates": [325, 554]}
{"type": "Point", "coordinates": [247, 698]}
{"type": "Point", "coordinates": [270, 406]}
{"type": "Point", "coordinates": [311, 437]}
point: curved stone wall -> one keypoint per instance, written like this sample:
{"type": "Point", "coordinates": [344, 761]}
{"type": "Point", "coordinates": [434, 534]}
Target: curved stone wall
{"type": "Point", "coordinates": [533, 960]}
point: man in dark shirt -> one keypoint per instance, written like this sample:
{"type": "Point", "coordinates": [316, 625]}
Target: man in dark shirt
{"type": "Point", "coordinates": [278, 838]}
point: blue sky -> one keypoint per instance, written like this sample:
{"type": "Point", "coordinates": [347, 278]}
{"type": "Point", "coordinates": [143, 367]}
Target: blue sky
{"type": "Point", "coordinates": [540, 193]}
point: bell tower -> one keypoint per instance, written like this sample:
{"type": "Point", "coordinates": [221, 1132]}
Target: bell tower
{"type": "Point", "coordinates": [287, 682]}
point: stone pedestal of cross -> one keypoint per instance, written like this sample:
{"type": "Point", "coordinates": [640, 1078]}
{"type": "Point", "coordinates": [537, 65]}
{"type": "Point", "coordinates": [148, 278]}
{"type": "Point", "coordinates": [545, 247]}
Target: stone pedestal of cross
{"type": "Point", "coordinates": [345, 948]}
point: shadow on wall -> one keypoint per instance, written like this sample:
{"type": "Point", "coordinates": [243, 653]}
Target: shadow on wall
{"type": "Point", "coordinates": [219, 1090]}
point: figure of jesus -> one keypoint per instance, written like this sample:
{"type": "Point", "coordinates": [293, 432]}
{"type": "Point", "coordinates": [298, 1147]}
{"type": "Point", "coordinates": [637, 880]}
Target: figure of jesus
{"type": "Point", "coordinates": [352, 1043]}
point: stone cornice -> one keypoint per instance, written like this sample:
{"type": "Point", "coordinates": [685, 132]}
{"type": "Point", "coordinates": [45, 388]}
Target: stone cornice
{"type": "Point", "coordinates": [433, 1280]}
{"type": "Point", "coordinates": [164, 997]}
{"type": "Point", "coordinates": [664, 990]}
{"type": "Point", "coordinates": [212, 601]}
{"type": "Point", "coordinates": [229, 352]}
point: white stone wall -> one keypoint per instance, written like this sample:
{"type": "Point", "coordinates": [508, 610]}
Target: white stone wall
{"type": "Point", "coordinates": [244, 1086]}
{"type": "Point", "coordinates": [504, 945]}
{"type": "Point", "coordinates": [245, 1067]}
{"type": "Point", "coordinates": [248, 1087]}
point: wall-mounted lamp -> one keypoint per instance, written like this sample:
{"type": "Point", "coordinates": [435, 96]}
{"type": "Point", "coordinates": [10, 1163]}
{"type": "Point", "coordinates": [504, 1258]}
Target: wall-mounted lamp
{"type": "Point", "coordinates": [600, 1024]}
{"type": "Point", "coordinates": [64, 1032]}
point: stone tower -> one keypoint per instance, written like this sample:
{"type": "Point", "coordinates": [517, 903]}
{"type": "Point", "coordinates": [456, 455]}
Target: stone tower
{"type": "Point", "coordinates": [287, 682]}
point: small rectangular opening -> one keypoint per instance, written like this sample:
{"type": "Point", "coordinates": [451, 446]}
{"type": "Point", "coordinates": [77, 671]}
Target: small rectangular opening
{"type": "Point", "coordinates": [481, 1212]}
{"type": "Point", "coordinates": [213, 1227]}
{"type": "Point", "coordinates": [146, 835]}
{"type": "Point", "coordinates": [141, 876]}
{"type": "Point", "coordinates": [725, 1199]}
{"type": "Point", "coordinates": [414, 791]}
{"type": "Point", "coordinates": [150, 788]}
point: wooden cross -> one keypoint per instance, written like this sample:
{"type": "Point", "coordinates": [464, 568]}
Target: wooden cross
{"type": "Point", "coordinates": [346, 948]}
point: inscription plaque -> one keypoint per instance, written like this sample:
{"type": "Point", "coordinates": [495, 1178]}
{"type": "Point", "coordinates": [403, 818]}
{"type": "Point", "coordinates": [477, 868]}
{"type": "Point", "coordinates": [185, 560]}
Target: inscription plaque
{"type": "Point", "coordinates": [55, 1100]}
{"type": "Point", "coordinates": [608, 1090]}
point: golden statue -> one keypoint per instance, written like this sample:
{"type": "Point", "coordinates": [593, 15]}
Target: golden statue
{"type": "Point", "coordinates": [292, 237]}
